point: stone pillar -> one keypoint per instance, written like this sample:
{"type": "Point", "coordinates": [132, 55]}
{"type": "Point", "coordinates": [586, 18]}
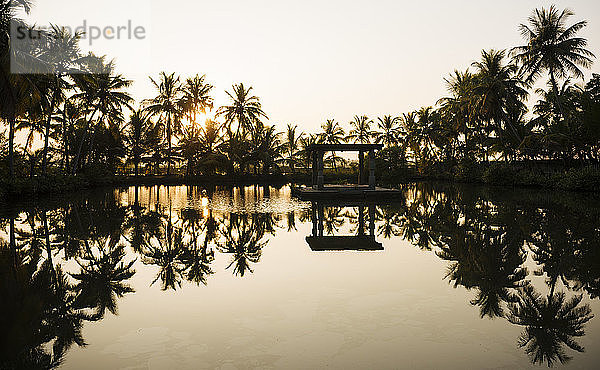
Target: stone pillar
{"type": "Point", "coordinates": [371, 169]}
{"type": "Point", "coordinates": [313, 157]}
{"type": "Point", "coordinates": [314, 218]}
{"type": "Point", "coordinates": [320, 178]}
{"type": "Point", "coordinates": [361, 160]}
{"type": "Point", "coordinates": [372, 220]}
{"type": "Point", "coordinates": [361, 220]}
{"type": "Point", "coordinates": [321, 215]}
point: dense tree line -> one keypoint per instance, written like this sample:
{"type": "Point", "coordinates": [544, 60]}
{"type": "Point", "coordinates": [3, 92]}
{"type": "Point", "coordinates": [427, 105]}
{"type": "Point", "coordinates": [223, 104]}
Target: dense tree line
{"type": "Point", "coordinates": [89, 124]}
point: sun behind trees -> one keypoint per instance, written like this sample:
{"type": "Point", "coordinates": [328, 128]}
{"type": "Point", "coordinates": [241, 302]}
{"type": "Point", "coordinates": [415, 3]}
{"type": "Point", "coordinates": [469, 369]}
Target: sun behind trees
{"type": "Point", "coordinates": [91, 129]}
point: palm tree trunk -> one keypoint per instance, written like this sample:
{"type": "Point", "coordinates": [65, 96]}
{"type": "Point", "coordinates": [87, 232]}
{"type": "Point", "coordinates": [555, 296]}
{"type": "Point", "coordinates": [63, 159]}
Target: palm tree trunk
{"type": "Point", "coordinates": [93, 139]}
{"type": "Point", "coordinates": [169, 142]}
{"type": "Point", "coordinates": [78, 156]}
{"type": "Point", "coordinates": [65, 145]}
{"type": "Point", "coordinates": [555, 89]}
{"type": "Point", "coordinates": [48, 246]}
{"type": "Point", "coordinates": [47, 137]}
{"type": "Point", "coordinates": [11, 150]}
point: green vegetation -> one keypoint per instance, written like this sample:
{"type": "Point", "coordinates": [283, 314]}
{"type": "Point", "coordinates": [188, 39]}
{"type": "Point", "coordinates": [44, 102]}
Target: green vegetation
{"type": "Point", "coordinates": [93, 132]}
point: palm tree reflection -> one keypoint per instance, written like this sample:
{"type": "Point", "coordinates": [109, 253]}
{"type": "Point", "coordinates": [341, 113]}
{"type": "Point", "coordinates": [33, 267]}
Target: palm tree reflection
{"type": "Point", "coordinates": [196, 256]}
{"type": "Point", "coordinates": [551, 323]}
{"type": "Point", "coordinates": [102, 279]}
{"type": "Point", "coordinates": [243, 240]}
{"type": "Point", "coordinates": [485, 237]}
{"type": "Point", "coordinates": [165, 249]}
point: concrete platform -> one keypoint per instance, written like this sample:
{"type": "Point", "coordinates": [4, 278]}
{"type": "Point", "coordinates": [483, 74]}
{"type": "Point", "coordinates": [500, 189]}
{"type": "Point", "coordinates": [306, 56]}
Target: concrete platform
{"type": "Point", "coordinates": [347, 192]}
{"type": "Point", "coordinates": [343, 243]}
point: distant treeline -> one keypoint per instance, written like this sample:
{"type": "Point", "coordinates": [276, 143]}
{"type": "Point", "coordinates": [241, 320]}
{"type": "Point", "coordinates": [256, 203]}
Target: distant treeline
{"type": "Point", "coordinates": [91, 127]}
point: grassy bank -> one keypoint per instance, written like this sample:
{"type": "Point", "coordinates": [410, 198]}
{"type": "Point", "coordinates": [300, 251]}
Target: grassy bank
{"type": "Point", "coordinates": [584, 179]}
{"type": "Point", "coordinates": [56, 184]}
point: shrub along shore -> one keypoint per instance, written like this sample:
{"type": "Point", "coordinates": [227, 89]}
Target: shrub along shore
{"type": "Point", "coordinates": [581, 179]}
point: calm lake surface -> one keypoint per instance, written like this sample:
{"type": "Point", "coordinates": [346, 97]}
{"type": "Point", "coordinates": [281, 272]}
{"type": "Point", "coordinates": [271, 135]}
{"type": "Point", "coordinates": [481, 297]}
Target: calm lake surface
{"type": "Point", "coordinates": [191, 277]}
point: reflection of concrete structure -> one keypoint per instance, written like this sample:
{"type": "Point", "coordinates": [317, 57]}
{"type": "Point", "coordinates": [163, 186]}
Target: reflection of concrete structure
{"type": "Point", "coordinates": [360, 242]}
{"type": "Point", "coordinates": [319, 190]}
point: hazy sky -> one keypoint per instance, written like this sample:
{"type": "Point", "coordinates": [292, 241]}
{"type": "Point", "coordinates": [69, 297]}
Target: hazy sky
{"type": "Point", "coordinates": [311, 60]}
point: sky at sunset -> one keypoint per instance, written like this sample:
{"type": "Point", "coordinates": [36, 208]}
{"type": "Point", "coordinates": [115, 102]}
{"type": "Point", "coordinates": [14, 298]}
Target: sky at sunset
{"type": "Point", "coordinates": [313, 60]}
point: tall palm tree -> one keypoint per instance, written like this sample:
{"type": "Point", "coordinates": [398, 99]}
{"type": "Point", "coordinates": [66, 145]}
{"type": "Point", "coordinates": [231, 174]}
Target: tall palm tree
{"type": "Point", "coordinates": [196, 97]}
{"type": "Point", "coordinates": [210, 157]}
{"type": "Point", "coordinates": [332, 132]}
{"type": "Point", "coordinates": [306, 142]}
{"type": "Point", "coordinates": [17, 91]}
{"type": "Point", "coordinates": [103, 91]}
{"type": "Point", "coordinates": [189, 147]}
{"type": "Point", "coordinates": [141, 135]}
{"type": "Point", "coordinates": [553, 47]}
{"type": "Point", "coordinates": [499, 91]}
{"type": "Point", "coordinates": [245, 109]}
{"type": "Point", "coordinates": [63, 54]}
{"type": "Point", "coordinates": [389, 130]}
{"type": "Point", "coordinates": [361, 129]}
{"type": "Point", "coordinates": [459, 108]}
{"type": "Point", "coordinates": [166, 105]}
{"type": "Point", "coordinates": [291, 145]}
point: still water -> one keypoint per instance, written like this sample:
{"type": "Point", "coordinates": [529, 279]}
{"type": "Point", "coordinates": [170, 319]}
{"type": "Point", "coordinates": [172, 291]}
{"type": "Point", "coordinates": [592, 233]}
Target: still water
{"type": "Point", "coordinates": [193, 277]}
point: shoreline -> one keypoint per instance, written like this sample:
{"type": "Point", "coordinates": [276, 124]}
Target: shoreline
{"type": "Point", "coordinates": [581, 180]}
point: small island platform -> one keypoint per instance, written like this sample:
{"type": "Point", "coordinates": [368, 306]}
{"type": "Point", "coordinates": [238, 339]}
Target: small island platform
{"type": "Point", "coordinates": [320, 191]}
{"type": "Point", "coordinates": [347, 192]}
{"type": "Point", "coordinates": [344, 243]}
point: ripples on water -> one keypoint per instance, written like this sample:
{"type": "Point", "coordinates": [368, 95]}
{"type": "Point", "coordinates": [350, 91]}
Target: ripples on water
{"type": "Point", "coordinates": [190, 277]}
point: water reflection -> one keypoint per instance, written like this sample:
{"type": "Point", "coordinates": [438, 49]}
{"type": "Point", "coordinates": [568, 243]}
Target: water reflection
{"type": "Point", "coordinates": [328, 218]}
{"type": "Point", "coordinates": [66, 263]}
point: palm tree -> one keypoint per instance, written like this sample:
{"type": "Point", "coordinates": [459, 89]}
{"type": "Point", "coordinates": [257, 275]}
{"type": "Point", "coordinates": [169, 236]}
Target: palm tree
{"type": "Point", "coordinates": [550, 324]}
{"type": "Point", "coordinates": [266, 147]}
{"type": "Point", "coordinates": [389, 130]}
{"type": "Point", "coordinates": [196, 97]}
{"type": "Point", "coordinates": [62, 54]}
{"type": "Point", "coordinates": [553, 47]}
{"type": "Point", "coordinates": [166, 105]}
{"type": "Point", "coordinates": [361, 130]}
{"type": "Point", "coordinates": [306, 143]}
{"type": "Point", "coordinates": [69, 116]}
{"type": "Point", "coordinates": [332, 133]}
{"type": "Point", "coordinates": [141, 135]}
{"type": "Point", "coordinates": [103, 91]}
{"type": "Point", "coordinates": [459, 108]}
{"type": "Point", "coordinates": [18, 92]}
{"type": "Point", "coordinates": [210, 157]}
{"type": "Point", "coordinates": [291, 145]}
{"type": "Point", "coordinates": [360, 133]}
{"type": "Point", "coordinates": [189, 147]}
{"type": "Point", "coordinates": [245, 109]}
{"type": "Point", "coordinates": [499, 92]}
